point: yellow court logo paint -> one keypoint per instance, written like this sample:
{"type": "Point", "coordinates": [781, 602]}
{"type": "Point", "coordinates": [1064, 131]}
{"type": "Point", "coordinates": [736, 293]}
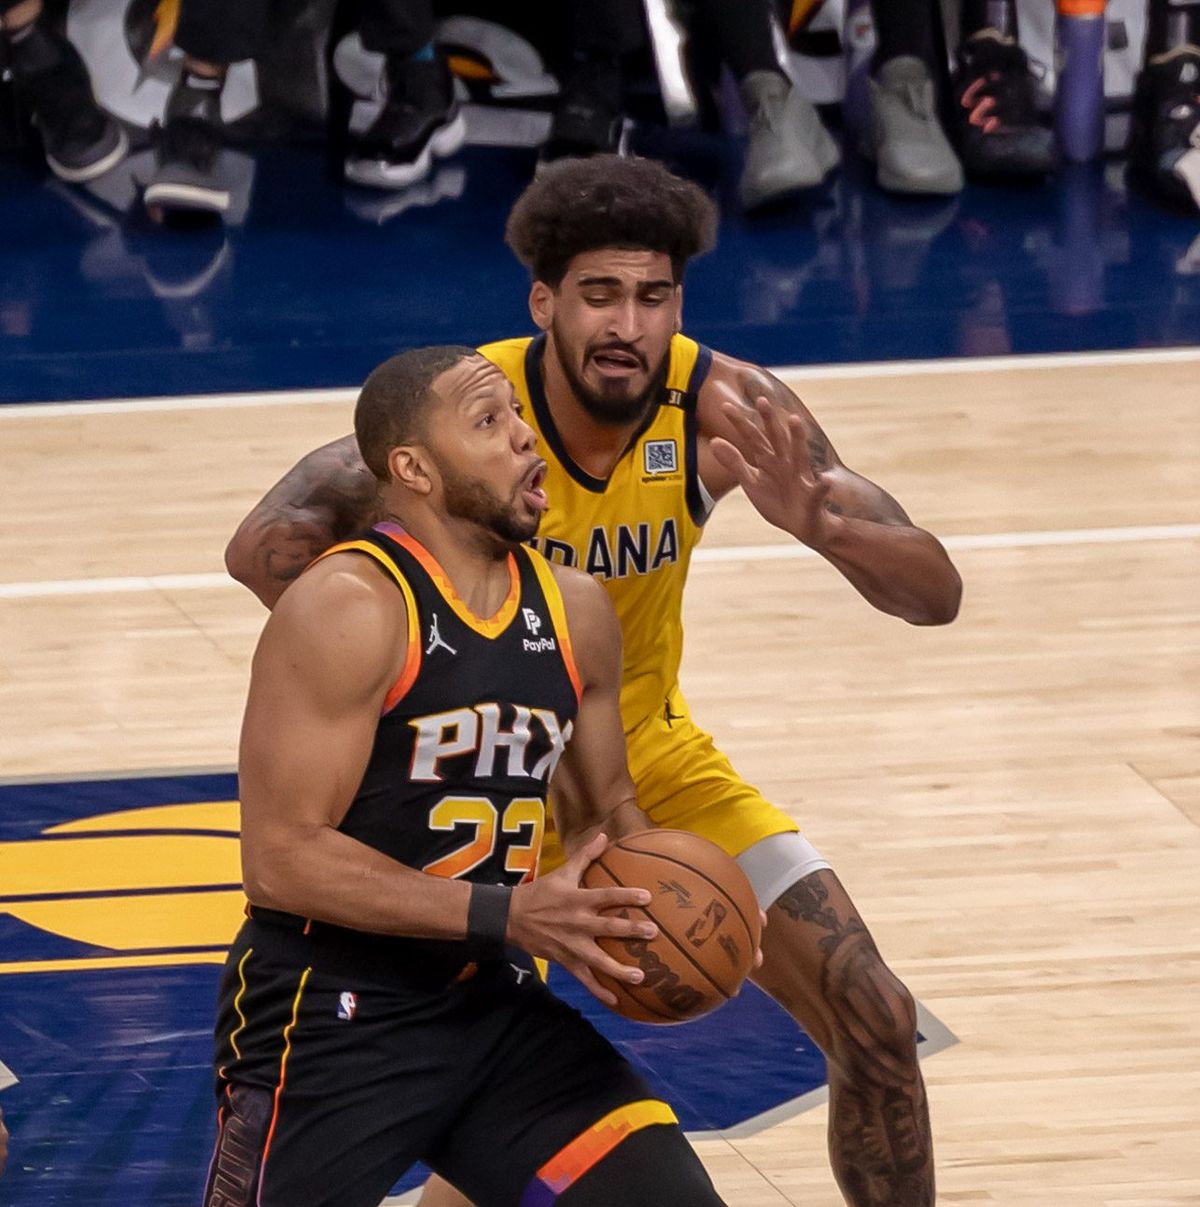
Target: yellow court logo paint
{"type": "Point", "coordinates": [146, 885]}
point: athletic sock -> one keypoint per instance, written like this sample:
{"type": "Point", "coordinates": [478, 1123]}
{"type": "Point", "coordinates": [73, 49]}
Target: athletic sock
{"type": "Point", "coordinates": [978, 15]}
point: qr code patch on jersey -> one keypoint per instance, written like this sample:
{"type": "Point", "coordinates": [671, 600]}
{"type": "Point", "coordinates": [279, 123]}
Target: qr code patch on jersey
{"type": "Point", "coordinates": [661, 457]}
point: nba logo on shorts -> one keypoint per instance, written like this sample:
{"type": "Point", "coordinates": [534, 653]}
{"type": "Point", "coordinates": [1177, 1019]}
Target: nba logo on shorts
{"type": "Point", "coordinates": [347, 1005]}
{"type": "Point", "coordinates": [661, 457]}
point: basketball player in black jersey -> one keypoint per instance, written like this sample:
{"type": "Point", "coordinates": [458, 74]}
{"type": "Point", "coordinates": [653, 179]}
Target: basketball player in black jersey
{"type": "Point", "coordinates": [409, 701]}
{"type": "Point", "coordinates": [607, 240]}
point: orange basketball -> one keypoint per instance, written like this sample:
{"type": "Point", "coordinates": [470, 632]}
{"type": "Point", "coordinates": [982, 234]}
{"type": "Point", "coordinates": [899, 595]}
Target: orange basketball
{"type": "Point", "coordinates": [707, 919]}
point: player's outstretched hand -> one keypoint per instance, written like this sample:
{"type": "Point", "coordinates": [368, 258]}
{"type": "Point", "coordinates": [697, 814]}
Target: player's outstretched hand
{"type": "Point", "coordinates": [553, 917]}
{"type": "Point", "coordinates": [771, 462]}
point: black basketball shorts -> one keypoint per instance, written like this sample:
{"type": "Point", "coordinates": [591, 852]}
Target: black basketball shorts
{"type": "Point", "coordinates": [331, 1084]}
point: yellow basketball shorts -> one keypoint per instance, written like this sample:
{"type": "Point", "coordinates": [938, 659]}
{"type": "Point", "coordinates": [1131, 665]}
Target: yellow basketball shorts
{"type": "Point", "coordinates": [685, 783]}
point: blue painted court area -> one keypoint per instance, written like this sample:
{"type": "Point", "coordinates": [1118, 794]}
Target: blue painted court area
{"type": "Point", "coordinates": [321, 282]}
{"type": "Point", "coordinates": [114, 1102]}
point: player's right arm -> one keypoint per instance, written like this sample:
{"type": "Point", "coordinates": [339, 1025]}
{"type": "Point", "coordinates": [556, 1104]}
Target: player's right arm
{"type": "Point", "coordinates": [328, 495]}
{"type": "Point", "coordinates": [319, 677]}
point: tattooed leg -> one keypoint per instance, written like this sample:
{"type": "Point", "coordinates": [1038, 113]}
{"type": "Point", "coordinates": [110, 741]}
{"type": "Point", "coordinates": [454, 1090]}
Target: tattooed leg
{"type": "Point", "coordinates": [821, 964]}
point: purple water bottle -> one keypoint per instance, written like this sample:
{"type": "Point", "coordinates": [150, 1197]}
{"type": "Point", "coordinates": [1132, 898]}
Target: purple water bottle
{"type": "Point", "coordinates": [1079, 97]}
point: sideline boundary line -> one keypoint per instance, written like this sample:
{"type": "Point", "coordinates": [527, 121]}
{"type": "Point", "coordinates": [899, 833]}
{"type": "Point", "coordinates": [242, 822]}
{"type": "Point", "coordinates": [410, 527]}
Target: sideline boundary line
{"type": "Point", "coordinates": [863, 370]}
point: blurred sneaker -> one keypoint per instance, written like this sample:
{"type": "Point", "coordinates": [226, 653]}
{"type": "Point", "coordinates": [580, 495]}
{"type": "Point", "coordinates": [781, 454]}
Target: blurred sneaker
{"type": "Point", "coordinates": [1164, 136]}
{"type": "Point", "coordinates": [904, 136]}
{"type": "Point", "coordinates": [420, 119]}
{"type": "Point", "coordinates": [445, 183]}
{"type": "Point", "coordinates": [789, 149]}
{"type": "Point", "coordinates": [189, 178]}
{"type": "Point", "coordinates": [579, 129]}
{"type": "Point", "coordinates": [995, 106]}
{"type": "Point", "coordinates": [79, 139]}
{"type": "Point", "coordinates": [588, 119]}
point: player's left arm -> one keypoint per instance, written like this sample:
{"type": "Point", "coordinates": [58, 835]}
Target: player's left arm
{"type": "Point", "coordinates": [592, 791]}
{"type": "Point", "coordinates": [755, 433]}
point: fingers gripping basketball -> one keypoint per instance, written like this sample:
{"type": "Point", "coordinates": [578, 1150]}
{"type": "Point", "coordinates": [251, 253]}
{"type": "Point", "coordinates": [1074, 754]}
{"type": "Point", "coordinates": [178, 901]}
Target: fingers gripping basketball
{"type": "Point", "coordinates": [707, 918]}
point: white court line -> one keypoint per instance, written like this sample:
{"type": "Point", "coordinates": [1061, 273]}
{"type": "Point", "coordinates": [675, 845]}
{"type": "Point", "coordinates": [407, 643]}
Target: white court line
{"type": "Point", "coordinates": [868, 369]}
{"type": "Point", "coordinates": [48, 588]}
{"type": "Point", "coordinates": [982, 540]}
{"type": "Point", "coordinates": [990, 364]}
{"type": "Point", "coordinates": [187, 402]}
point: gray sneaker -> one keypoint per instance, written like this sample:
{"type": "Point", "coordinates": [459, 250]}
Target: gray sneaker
{"type": "Point", "coordinates": [190, 176]}
{"type": "Point", "coordinates": [789, 149]}
{"type": "Point", "coordinates": [80, 140]}
{"type": "Point", "coordinates": [904, 136]}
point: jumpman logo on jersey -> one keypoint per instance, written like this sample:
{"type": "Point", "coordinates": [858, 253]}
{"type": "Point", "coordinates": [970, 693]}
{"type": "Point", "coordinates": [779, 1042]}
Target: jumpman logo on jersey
{"type": "Point", "coordinates": [670, 716]}
{"type": "Point", "coordinates": [435, 639]}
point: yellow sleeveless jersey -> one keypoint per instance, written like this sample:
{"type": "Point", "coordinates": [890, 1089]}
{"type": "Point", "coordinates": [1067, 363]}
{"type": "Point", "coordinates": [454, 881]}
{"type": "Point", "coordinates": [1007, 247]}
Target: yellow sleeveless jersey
{"type": "Point", "coordinates": [636, 529]}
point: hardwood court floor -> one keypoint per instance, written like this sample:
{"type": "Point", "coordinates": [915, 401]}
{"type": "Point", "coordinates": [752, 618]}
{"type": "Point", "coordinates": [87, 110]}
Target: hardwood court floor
{"type": "Point", "coordinates": [1013, 801]}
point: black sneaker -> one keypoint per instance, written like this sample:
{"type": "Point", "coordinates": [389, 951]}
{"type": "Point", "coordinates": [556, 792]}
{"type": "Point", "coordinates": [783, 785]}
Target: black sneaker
{"type": "Point", "coordinates": [1164, 135]}
{"type": "Point", "coordinates": [421, 118]}
{"type": "Point", "coordinates": [189, 179]}
{"type": "Point", "coordinates": [79, 139]}
{"type": "Point", "coordinates": [995, 104]}
{"type": "Point", "coordinates": [588, 120]}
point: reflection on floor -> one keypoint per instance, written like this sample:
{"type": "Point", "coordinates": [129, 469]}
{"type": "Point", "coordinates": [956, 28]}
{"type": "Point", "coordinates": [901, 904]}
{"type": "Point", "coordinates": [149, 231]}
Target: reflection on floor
{"type": "Point", "coordinates": [313, 283]}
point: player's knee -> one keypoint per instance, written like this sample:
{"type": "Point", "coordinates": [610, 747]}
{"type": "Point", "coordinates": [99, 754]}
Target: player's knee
{"type": "Point", "coordinates": [874, 1024]}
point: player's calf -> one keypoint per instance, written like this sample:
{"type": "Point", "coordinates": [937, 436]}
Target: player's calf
{"type": "Point", "coordinates": [822, 965]}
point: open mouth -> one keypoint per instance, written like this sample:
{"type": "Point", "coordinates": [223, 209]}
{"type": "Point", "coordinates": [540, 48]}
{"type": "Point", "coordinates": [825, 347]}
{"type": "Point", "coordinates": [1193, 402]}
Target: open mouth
{"type": "Point", "coordinates": [532, 491]}
{"type": "Point", "coordinates": [617, 362]}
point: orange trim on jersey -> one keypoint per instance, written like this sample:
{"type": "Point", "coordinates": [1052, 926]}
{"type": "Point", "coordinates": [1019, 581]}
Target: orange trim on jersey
{"type": "Point", "coordinates": [569, 1164]}
{"type": "Point", "coordinates": [490, 627]}
{"type": "Point", "coordinates": [1080, 8]}
{"type": "Point", "coordinates": [287, 1051]}
{"type": "Point", "coordinates": [412, 651]}
{"type": "Point", "coordinates": [558, 617]}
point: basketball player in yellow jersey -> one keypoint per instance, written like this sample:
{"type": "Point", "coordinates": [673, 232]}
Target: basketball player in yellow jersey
{"type": "Point", "coordinates": [644, 431]}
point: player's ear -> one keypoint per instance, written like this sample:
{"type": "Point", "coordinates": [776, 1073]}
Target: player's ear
{"type": "Point", "coordinates": [678, 309]}
{"type": "Point", "coordinates": [409, 466]}
{"type": "Point", "coordinates": [541, 305]}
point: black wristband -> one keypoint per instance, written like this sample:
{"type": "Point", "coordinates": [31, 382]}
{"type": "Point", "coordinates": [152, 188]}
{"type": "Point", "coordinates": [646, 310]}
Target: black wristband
{"type": "Point", "coordinates": [487, 917]}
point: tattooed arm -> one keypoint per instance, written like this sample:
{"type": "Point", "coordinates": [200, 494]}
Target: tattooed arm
{"type": "Point", "coordinates": [755, 433]}
{"type": "Point", "coordinates": [324, 498]}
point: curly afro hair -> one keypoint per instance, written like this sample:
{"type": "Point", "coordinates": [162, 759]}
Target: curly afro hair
{"type": "Point", "coordinates": [579, 205]}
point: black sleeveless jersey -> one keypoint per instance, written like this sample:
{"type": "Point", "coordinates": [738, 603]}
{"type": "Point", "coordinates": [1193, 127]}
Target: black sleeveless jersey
{"type": "Point", "coordinates": [468, 738]}
{"type": "Point", "coordinates": [475, 725]}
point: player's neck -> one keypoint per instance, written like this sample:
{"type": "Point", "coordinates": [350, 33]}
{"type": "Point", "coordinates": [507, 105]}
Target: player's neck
{"type": "Point", "coordinates": [595, 447]}
{"type": "Point", "coordinates": [475, 561]}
